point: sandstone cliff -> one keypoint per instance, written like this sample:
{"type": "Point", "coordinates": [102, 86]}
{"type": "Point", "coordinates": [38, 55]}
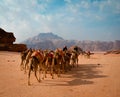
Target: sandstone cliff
{"type": "Point", "coordinates": [6, 42]}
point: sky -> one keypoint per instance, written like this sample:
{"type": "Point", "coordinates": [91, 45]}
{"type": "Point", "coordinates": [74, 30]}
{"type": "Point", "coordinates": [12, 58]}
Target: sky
{"type": "Point", "coordinates": [69, 19]}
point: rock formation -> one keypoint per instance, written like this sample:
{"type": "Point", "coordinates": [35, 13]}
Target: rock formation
{"type": "Point", "coordinates": [112, 52]}
{"type": "Point", "coordinates": [6, 42]}
{"type": "Point", "coordinates": [6, 37]}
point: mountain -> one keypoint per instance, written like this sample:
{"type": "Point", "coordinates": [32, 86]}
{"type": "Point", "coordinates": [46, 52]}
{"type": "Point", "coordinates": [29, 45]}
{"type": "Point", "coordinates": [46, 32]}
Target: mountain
{"type": "Point", "coordinates": [42, 37]}
{"type": "Point", "coordinates": [52, 41]}
{"type": "Point", "coordinates": [48, 36]}
{"type": "Point", "coordinates": [48, 41]}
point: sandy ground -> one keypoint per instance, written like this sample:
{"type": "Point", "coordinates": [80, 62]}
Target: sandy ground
{"type": "Point", "coordinates": [88, 80]}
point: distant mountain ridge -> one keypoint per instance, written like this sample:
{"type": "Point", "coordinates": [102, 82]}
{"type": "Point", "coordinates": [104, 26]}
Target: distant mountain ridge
{"type": "Point", "coordinates": [48, 36]}
{"type": "Point", "coordinates": [42, 37]}
{"type": "Point", "coordinates": [52, 41]}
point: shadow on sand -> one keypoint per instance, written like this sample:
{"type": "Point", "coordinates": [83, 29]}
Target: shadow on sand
{"type": "Point", "coordinates": [81, 75]}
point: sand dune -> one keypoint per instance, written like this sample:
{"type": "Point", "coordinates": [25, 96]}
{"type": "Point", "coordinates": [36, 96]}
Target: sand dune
{"type": "Point", "coordinates": [95, 77]}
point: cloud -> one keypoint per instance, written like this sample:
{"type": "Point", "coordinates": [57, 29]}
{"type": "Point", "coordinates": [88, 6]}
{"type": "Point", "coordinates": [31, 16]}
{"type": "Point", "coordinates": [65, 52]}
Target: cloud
{"type": "Point", "coordinates": [28, 18]}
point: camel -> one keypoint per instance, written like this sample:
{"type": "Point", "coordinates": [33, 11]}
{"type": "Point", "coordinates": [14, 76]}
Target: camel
{"type": "Point", "coordinates": [23, 58]}
{"type": "Point", "coordinates": [67, 57]}
{"type": "Point", "coordinates": [27, 59]}
{"type": "Point", "coordinates": [74, 59]}
{"type": "Point", "coordinates": [75, 52]}
{"type": "Point", "coordinates": [35, 64]}
{"type": "Point", "coordinates": [87, 54]}
{"type": "Point", "coordinates": [48, 58]}
{"type": "Point", "coordinates": [57, 62]}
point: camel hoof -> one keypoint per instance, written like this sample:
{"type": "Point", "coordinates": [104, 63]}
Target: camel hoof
{"type": "Point", "coordinates": [29, 84]}
{"type": "Point", "coordinates": [59, 75]}
{"type": "Point", "coordinates": [39, 80]}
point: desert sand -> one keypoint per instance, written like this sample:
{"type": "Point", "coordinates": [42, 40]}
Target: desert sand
{"type": "Point", "coordinates": [98, 76]}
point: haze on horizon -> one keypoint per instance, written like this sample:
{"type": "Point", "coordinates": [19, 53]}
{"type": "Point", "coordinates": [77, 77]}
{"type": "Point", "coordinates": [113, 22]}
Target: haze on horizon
{"type": "Point", "coordinates": [69, 19]}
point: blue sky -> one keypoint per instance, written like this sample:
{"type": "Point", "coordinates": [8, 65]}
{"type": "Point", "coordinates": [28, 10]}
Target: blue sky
{"type": "Point", "coordinates": [70, 19]}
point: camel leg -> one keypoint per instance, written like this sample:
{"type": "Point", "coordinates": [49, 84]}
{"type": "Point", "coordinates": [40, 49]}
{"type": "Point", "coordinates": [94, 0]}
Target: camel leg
{"type": "Point", "coordinates": [29, 72]}
{"type": "Point", "coordinates": [44, 73]}
{"type": "Point", "coordinates": [26, 64]}
{"type": "Point", "coordinates": [29, 76]}
{"type": "Point", "coordinates": [45, 69]}
{"type": "Point", "coordinates": [21, 65]}
{"type": "Point", "coordinates": [52, 73]}
{"type": "Point", "coordinates": [39, 75]}
{"type": "Point", "coordinates": [36, 76]}
{"type": "Point", "coordinates": [72, 62]}
{"type": "Point", "coordinates": [77, 62]}
{"type": "Point", "coordinates": [52, 67]}
{"type": "Point", "coordinates": [58, 71]}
